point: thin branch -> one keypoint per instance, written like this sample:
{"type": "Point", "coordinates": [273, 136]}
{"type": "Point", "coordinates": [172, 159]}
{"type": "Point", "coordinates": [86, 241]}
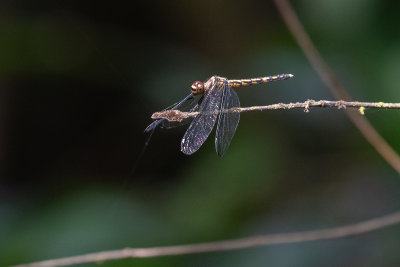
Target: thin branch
{"type": "Point", "coordinates": [177, 115]}
{"type": "Point", "coordinates": [328, 77]}
{"type": "Point", "coordinates": [248, 242]}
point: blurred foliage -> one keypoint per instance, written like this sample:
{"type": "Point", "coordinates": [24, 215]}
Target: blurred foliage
{"type": "Point", "coordinates": [79, 82]}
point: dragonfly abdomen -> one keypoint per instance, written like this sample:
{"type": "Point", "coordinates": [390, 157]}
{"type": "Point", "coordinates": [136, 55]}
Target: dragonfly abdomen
{"type": "Point", "coordinates": [248, 82]}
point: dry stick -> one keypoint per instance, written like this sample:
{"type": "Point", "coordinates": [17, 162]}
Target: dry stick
{"type": "Point", "coordinates": [177, 115]}
{"type": "Point", "coordinates": [328, 77]}
{"type": "Point", "coordinates": [261, 240]}
{"type": "Point", "coordinates": [362, 124]}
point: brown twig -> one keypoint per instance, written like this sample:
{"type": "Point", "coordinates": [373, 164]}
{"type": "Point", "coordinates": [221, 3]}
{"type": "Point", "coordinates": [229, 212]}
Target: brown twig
{"type": "Point", "coordinates": [328, 77]}
{"type": "Point", "coordinates": [177, 115]}
{"type": "Point", "coordinates": [248, 242]}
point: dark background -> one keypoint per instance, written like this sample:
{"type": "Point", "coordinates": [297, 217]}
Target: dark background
{"type": "Point", "coordinates": [80, 80]}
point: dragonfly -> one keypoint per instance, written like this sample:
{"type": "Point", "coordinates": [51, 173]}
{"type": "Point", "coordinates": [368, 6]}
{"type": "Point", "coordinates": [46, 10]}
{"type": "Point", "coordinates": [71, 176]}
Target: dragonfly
{"type": "Point", "coordinates": [211, 100]}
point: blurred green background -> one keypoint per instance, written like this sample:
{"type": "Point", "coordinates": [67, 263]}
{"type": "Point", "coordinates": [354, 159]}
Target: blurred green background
{"type": "Point", "coordinates": [79, 81]}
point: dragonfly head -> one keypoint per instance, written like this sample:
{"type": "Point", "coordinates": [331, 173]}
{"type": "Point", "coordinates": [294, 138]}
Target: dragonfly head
{"type": "Point", "coordinates": [197, 88]}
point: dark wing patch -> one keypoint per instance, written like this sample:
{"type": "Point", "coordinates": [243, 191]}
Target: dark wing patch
{"type": "Point", "coordinates": [202, 124]}
{"type": "Point", "coordinates": [227, 122]}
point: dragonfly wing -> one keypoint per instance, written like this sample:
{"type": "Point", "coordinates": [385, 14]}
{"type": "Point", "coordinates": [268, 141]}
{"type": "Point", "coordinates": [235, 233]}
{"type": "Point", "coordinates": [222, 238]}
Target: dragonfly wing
{"type": "Point", "coordinates": [203, 123]}
{"type": "Point", "coordinates": [227, 122]}
{"type": "Point", "coordinates": [191, 105]}
{"type": "Point", "coordinates": [188, 103]}
{"type": "Point", "coordinates": [153, 125]}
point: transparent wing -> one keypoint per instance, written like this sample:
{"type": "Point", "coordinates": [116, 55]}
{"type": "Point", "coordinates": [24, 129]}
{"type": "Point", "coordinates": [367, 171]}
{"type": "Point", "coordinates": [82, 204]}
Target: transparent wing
{"type": "Point", "coordinates": [188, 103]}
{"type": "Point", "coordinates": [191, 105]}
{"type": "Point", "coordinates": [227, 122]}
{"type": "Point", "coordinates": [202, 124]}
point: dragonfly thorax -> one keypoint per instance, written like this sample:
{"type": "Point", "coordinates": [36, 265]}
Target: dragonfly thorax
{"type": "Point", "coordinates": [197, 88]}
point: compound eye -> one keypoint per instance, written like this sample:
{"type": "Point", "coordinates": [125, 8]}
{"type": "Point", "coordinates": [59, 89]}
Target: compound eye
{"type": "Point", "coordinates": [197, 85]}
{"type": "Point", "coordinates": [197, 88]}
